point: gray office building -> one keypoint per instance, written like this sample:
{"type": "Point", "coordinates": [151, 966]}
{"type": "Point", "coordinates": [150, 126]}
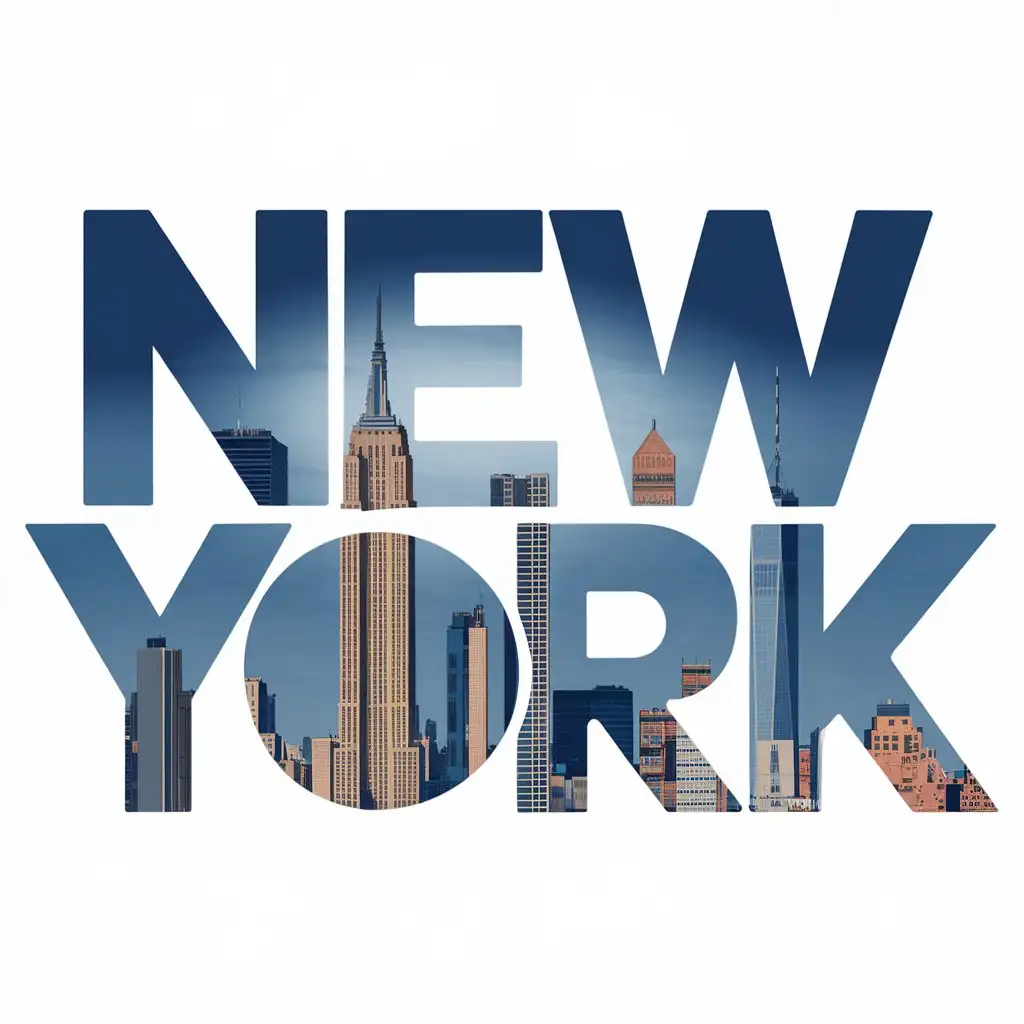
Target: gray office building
{"type": "Point", "coordinates": [163, 728]}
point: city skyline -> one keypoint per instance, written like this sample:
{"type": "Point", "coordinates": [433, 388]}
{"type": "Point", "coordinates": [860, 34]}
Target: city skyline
{"type": "Point", "coordinates": [569, 560]}
{"type": "Point", "coordinates": [786, 719]}
{"type": "Point", "coordinates": [377, 625]}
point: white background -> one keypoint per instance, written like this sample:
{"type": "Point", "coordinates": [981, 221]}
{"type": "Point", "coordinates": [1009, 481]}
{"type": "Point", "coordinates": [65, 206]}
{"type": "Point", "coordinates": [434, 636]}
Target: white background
{"type": "Point", "coordinates": [266, 904]}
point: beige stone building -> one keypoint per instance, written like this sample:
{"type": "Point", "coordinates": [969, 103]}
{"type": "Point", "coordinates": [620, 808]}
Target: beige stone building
{"type": "Point", "coordinates": [378, 755]}
{"type": "Point", "coordinates": [326, 762]}
{"type": "Point", "coordinates": [477, 731]}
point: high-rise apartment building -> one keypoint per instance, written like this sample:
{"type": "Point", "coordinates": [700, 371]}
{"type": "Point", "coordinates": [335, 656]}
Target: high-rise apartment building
{"type": "Point", "coordinates": [163, 731]}
{"type": "Point", "coordinates": [510, 491]}
{"type": "Point", "coordinates": [260, 460]}
{"type": "Point", "coordinates": [774, 651]}
{"type": "Point", "coordinates": [571, 713]}
{"type": "Point", "coordinates": [533, 585]}
{"type": "Point", "coordinates": [379, 757]}
{"type": "Point", "coordinates": [476, 721]}
{"type": "Point", "coordinates": [467, 694]}
{"type": "Point", "coordinates": [654, 471]}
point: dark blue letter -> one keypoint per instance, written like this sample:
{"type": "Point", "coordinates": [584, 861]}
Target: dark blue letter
{"type": "Point", "coordinates": [736, 311]}
{"type": "Point", "coordinates": [140, 297]}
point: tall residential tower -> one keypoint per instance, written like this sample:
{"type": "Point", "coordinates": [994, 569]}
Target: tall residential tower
{"type": "Point", "coordinates": [467, 694]}
{"type": "Point", "coordinates": [533, 580]}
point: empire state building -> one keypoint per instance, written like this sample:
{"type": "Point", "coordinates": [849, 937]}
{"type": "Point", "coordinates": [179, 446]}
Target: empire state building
{"type": "Point", "coordinates": [378, 757]}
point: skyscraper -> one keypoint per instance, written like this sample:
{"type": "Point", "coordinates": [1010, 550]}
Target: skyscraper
{"type": "Point", "coordinates": [260, 460]}
{"type": "Point", "coordinates": [476, 719]}
{"type": "Point", "coordinates": [467, 694]}
{"type": "Point", "coordinates": [573, 710]}
{"type": "Point", "coordinates": [163, 715]}
{"type": "Point", "coordinates": [378, 754]}
{"type": "Point", "coordinates": [654, 471]}
{"type": "Point", "coordinates": [533, 584]}
{"type": "Point", "coordinates": [774, 651]}
{"type": "Point", "coordinates": [510, 491]}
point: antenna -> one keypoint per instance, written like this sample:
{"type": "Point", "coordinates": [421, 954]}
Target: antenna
{"type": "Point", "coordinates": [778, 449]}
{"type": "Point", "coordinates": [239, 410]}
{"type": "Point", "coordinates": [379, 337]}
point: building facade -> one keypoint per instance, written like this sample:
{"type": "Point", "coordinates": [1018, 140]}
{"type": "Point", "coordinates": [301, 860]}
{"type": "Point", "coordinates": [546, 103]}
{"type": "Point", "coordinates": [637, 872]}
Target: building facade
{"type": "Point", "coordinates": [260, 460]}
{"type": "Point", "coordinates": [571, 713]}
{"type": "Point", "coordinates": [898, 748]}
{"type": "Point", "coordinates": [163, 731]}
{"type": "Point", "coordinates": [804, 787]}
{"type": "Point", "coordinates": [325, 765]}
{"type": "Point", "coordinates": [467, 694]}
{"type": "Point", "coordinates": [659, 733]}
{"type": "Point", "coordinates": [698, 787]}
{"type": "Point", "coordinates": [379, 757]}
{"type": "Point", "coordinates": [476, 720]}
{"type": "Point", "coordinates": [262, 705]}
{"type": "Point", "coordinates": [533, 585]}
{"type": "Point", "coordinates": [963, 793]}
{"type": "Point", "coordinates": [654, 471]}
{"type": "Point", "coordinates": [510, 491]}
{"type": "Point", "coordinates": [774, 651]}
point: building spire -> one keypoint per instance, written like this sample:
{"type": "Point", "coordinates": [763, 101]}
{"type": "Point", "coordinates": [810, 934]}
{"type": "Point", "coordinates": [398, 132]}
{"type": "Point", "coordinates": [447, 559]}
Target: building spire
{"type": "Point", "coordinates": [378, 406]}
{"type": "Point", "coordinates": [378, 340]}
{"type": "Point", "coordinates": [654, 424]}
